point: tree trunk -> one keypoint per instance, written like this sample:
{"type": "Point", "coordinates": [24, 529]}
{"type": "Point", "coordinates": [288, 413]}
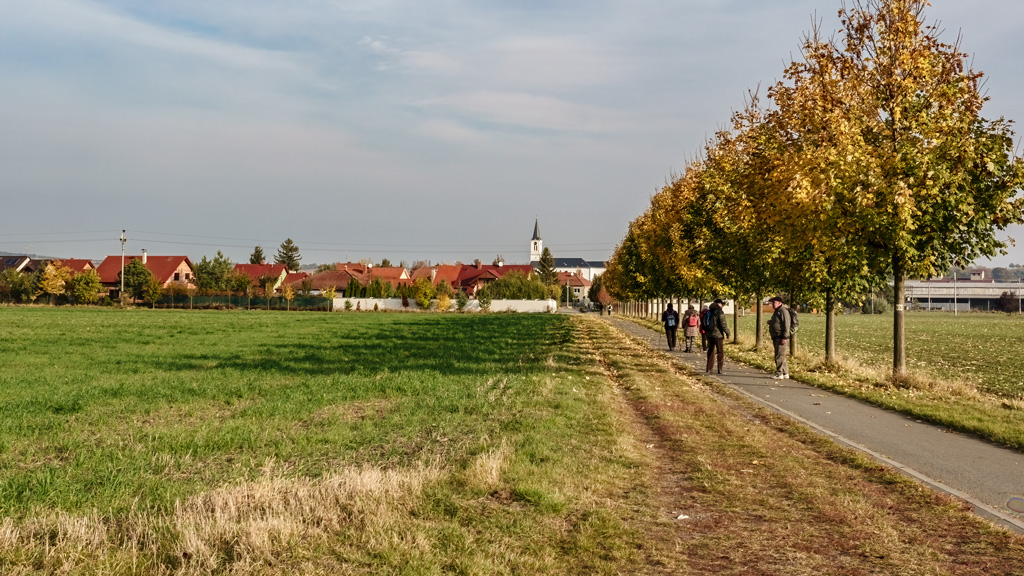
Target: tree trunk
{"type": "Point", "coordinates": [899, 326]}
{"type": "Point", "coordinates": [792, 337]}
{"type": "Point", "coordinates": [759, 331]}
{"type": "Point", "coordinates": [736, 319]}
{"type": "Point", "coordinates": [830, 326]}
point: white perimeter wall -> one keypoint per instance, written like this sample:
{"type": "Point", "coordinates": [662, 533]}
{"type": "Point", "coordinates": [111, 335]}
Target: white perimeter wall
{"type": "Point", "coordinates": [526, 306]}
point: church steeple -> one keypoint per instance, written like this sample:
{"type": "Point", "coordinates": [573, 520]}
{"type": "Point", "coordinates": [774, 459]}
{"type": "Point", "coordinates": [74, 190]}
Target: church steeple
{"type": "Point", "coordinates": [536, 244]}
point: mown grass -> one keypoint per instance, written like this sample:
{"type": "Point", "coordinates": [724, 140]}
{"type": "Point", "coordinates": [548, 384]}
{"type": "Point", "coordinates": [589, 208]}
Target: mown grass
{"type": "Point", "coordinates": [746, 491]}
{"type": "Point", "coordinates": [965, 371]}
{"type": "Point", "coordinates": [194, 442]}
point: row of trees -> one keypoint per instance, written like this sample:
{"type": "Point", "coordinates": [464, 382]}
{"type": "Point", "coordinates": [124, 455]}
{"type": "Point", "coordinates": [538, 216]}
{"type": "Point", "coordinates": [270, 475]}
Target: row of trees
{"type": "Point", "coordinates": [872, 163]}
{"type": "Point", "coordinates": [51, 281]}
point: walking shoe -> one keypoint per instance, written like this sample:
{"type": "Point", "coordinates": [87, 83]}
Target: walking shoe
{"type": "Point", "coordinates": [785, 376]}
{"type": "Point", "coordinates": [778, 376]}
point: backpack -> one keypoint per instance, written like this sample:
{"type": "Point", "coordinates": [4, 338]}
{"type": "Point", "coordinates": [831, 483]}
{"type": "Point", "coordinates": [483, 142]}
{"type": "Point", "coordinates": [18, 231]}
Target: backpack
{"type": "Point", "coordinates": [692, 321]}
{"type": "Point", "coordinates": [794, 321]}
{"type": "Point", "coordinates": [670, 320]}
{"type": "Point", "coordinates": [705, 320]}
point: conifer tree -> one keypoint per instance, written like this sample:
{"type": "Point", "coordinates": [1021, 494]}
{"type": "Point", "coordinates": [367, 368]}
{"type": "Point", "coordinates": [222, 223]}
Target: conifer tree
{"type": "Point", "coordinates": [257, 256]}
{"type": "Point", "coordinates": [288, 254]}
{"type": "Point", "coordinates": [546, 268]}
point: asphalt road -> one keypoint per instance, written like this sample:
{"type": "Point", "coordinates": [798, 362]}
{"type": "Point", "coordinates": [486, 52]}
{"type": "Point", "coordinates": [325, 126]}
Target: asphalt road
{"type": "Point", "coordinates": [986, 476]}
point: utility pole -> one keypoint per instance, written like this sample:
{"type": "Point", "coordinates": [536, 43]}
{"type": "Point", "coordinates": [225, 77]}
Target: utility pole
{"type": "Point", "coordinates": [122, 263]}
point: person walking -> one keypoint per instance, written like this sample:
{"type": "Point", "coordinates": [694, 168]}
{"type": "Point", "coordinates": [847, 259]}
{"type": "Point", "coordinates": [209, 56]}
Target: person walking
{"type": "Point", "coordinates": [670, 318]}
{"type": "Point", "coordinates": [717, 331]}
{"type": "Point", "coordinates": [703, 322]}
{"type": "Point", "coordinates": [691, 327]}
{"type": "Point", "coordinates": [780, 329]}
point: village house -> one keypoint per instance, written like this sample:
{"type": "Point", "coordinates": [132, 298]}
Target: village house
{"type": "Point", "coordinates": [167, 270]}
{"type": "Point", "coordinates": [277, 272]}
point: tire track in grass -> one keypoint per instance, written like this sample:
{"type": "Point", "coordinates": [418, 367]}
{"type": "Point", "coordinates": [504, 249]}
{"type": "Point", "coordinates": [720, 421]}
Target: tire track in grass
{"type": "Point", "coordinates": [669, 504]}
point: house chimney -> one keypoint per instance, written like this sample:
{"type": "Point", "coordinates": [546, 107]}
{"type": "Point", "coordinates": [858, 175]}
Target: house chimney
{"type": "Point", "coordinates": [144, 256]}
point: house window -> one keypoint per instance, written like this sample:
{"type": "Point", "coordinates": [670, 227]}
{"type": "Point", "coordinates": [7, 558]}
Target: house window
{"type": "Point", "coordinates": [188, 276]}
{"type": "Point", "coordinates": [177, 276]}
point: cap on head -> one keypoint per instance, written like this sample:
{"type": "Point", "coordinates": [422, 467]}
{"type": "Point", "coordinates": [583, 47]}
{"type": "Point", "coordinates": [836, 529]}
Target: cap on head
{"type": "Point", "coordinates": [720, 302]}
{"type": "Point", "coordinates": [777, 299]}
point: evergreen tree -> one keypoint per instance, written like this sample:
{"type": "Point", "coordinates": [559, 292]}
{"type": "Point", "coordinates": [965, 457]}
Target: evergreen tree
{"type": "Point", "coordinates": [257, 256]}
{"type": "Point", "coordinates": [546, 268]}
{"type": "Point", "coordinates": [288, 254]}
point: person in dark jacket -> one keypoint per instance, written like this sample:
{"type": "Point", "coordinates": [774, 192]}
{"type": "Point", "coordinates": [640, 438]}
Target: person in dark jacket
{"type": "Point", "coordinates": [717, 331]}
{"type": "Point", "coordinates": [780, 330]}
{"type": "Point", "coordinates": [670, 318]}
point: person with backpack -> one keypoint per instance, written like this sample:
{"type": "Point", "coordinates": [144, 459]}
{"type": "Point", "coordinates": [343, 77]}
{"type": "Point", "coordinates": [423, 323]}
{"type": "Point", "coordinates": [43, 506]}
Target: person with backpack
{"type": "Point", "coordinates": [703, 322]}
{"type": "Point", "coordinates": [670, 318]}
{"type": "Point", "coordinates": [717, 331]}
{"type": "Point", "coordinates": [781, 328]}
{"type": "Point", "coordinates": [691, 327]}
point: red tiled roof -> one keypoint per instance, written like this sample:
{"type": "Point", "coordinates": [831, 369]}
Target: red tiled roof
{"type": "Point", "coordinates": [573, 280]}
{"type": "Point", "coordinates": [295, 277]}
{"type": "Point", "coordinates": [254, 271]}
{"type": "Point", "coordinates": [422, 272]}
{"type": "Point", "coordinates": [450, 273]}
{"type": "Point", "coordinates": [77, 265]}
{"type": "Point", "coordinates": [162, 267]}
{"type": "Point", "coordinates": [337, 279]}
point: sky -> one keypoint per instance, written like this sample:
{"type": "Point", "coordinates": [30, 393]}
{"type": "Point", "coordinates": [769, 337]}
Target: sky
{"type": "Point", "coordinates": [411, 130]}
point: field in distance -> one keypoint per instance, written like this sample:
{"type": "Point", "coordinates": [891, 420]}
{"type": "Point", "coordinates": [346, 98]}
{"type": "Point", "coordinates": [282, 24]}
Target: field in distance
{"type": "Point", "coordinates": [200, 442]}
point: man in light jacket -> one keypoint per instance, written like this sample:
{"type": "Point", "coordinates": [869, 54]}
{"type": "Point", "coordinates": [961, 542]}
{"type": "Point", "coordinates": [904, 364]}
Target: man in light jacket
{"type": "Point", "coordinates": [780, 330]}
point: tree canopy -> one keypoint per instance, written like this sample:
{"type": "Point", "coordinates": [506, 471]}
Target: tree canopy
{"type": "Point", "coordinates": [871, 163]}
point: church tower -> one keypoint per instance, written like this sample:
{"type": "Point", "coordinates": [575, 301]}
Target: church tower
{"type": "Point", "coordinates": [536, 244]}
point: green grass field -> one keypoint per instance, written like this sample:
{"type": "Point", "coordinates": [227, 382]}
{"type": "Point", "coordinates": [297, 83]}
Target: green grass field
{"type": "Point", "coordinates": [129, 421]}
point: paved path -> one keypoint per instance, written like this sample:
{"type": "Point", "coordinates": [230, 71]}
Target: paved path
{"type": "Point", "coordinates": [984, 475]}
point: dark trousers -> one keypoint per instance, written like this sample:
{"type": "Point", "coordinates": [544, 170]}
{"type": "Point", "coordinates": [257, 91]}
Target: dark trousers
{"type": "Point", "coordinates": [781, 351]}
{"type": "Point", "coordinates": [716, 346]}
{"type": "Point", "coordinates": [670, 336]}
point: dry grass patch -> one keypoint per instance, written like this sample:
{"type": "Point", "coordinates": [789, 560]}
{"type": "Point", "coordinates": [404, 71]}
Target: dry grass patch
{"type": "Point", "coordinates": [268, 525]}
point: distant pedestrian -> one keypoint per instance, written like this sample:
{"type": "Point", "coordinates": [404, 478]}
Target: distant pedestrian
{"type": "Point", "coordinates": [691, 327]}
{"type": "Point", "coordinates": [780, 328]}
{"type": "Point", "coordinates": [703, 320]}
{"type": "Point", "coordinates": [717, 331]}
{"type": "Point", "coordinates": [670, 318]}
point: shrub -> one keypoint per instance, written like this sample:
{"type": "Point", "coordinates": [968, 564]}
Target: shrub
{"type": "Point", "coordinates": [348, 305]}
{"type": "Point", "coordinates": [444, 302]}
{"type": "Point", "coordinates": [484, 298]}
{"type": "Point", "coordinates": [461, 299]}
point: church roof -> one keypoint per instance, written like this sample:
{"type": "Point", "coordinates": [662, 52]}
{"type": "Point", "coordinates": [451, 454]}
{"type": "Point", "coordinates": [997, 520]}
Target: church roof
{"type": "Point", "coordinates": [577, 263]}
{"type": "Point", "coordinates": [536, 230]}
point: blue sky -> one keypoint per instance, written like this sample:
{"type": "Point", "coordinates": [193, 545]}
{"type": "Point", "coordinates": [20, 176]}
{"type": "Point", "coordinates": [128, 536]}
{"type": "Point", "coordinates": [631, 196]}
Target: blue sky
{"type": "Point", "coordinates": [402, 129]}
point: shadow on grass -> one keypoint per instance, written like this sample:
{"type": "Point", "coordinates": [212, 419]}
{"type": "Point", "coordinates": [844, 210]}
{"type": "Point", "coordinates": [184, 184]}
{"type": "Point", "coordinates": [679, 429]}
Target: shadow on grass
{"type": "Point", "coordinates": [456, 345]}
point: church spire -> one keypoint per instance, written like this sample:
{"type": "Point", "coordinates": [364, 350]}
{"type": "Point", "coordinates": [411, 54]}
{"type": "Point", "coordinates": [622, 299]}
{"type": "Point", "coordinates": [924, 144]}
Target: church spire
{"type": "Point", "coordinates": [536, 244]}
